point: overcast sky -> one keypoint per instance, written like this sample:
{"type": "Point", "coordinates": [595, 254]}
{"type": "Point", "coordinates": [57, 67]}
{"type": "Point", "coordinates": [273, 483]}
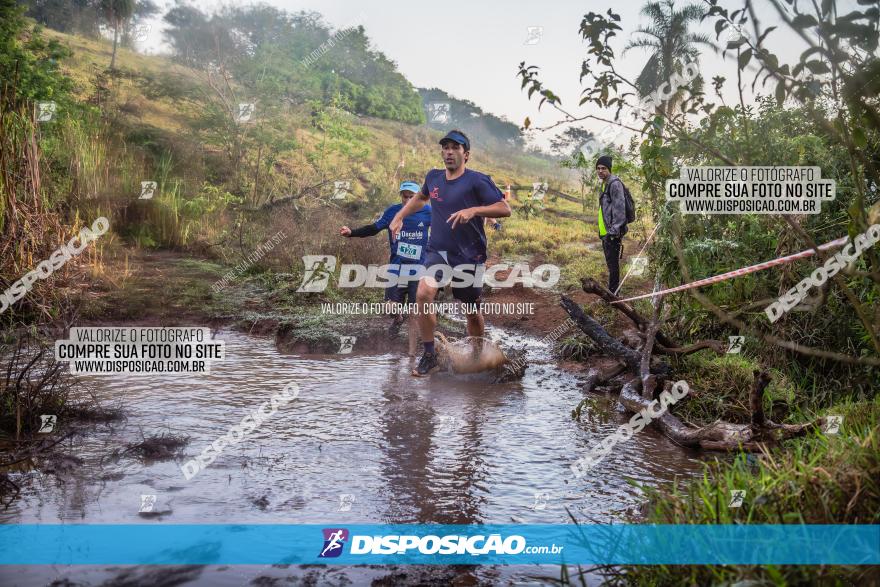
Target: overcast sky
{"type": "Point", "coordinates": [472, 49]}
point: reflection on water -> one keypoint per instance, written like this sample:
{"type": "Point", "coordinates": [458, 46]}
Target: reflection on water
{"type": "Point", "coordinates": [364, 442]}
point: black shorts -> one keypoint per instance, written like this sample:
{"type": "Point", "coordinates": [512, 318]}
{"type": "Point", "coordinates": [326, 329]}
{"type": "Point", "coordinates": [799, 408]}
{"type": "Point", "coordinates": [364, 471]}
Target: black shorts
{"type": "Point", "coordinates": [467, 295]}
{"type": "Point", "coordinates": [402, 293]}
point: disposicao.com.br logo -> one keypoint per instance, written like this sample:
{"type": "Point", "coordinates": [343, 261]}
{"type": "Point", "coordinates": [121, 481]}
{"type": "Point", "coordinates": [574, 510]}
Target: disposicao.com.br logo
{"type": "Point", "coordinates": [450, 544]}
{"type": "Point", "coordinates": [320, 268]}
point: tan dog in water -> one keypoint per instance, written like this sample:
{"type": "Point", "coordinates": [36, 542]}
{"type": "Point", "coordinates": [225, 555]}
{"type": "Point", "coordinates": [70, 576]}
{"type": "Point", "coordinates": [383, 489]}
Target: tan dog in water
{"type": "Point", "coordinates": [469, 355]}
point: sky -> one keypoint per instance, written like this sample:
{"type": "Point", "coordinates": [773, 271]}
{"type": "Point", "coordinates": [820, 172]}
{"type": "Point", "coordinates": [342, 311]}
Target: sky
{"type": "Point", "coordinates": [472, 49]}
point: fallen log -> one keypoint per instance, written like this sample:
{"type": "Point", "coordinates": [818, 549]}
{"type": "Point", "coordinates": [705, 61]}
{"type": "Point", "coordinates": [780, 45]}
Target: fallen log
{"type": "Point", "coordinates": [720, 435]}
{"type": "Point", "coordinates": [638, 394]}
{"type": "Point", "coordinates": [595, 378]}
{"type": "Point", "coordinates": [609, 345]}
{"type": "Point", "coordinates": [591, 381]}
{"type": "Point", "coordinates": [715, 345]}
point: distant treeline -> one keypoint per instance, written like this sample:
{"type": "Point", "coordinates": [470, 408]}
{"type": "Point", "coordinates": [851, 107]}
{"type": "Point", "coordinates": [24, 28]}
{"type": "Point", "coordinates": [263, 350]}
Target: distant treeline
{"type": "Point", "coordinates": [88, 17]}
{"type": "Point", "coordinates": [292, 57]}
{"type": "Point", "coordinates": [277, 55]}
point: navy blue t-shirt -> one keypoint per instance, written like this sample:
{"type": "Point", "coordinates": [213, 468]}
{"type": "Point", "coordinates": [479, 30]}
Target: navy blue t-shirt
{"type": "Point", "coordinates": [466, 243]}
{"type": "Point", "coordinates": [410, 247]}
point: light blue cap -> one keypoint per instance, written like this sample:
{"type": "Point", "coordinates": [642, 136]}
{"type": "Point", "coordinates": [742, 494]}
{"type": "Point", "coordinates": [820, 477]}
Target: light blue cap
{"type": "Point", "coordinates": [410, 186]}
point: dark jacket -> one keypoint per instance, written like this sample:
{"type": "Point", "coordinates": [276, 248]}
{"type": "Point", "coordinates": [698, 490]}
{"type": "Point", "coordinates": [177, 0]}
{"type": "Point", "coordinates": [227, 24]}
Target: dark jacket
{"type": "Point", "coordinates": [613, 205]}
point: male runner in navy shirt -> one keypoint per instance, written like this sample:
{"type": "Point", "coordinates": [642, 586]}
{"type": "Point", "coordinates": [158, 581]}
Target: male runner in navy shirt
{"type": "Point", "coordinates": [407, 248]}
{"type": "Point", "coordinates": [460, 200]}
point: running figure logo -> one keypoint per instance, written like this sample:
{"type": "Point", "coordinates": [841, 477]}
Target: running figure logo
{"type": "Point", "coordinates": [735, 344]}
{"type": "Point", "coordinates": [438, 112]}
{"type": "Point", "coordinates": [245, 112]}
{"type": "Point", "coordinates": [345, 502]}
{"type": "Point", "coordinates": [47, 423]}
{"type": "Point", "coordinates": [541, 500]}
{"type": "Point", "coordinates": [346, 344]}
{"type": "Point", "coordinates": [139, 32]}
{"type": "Point", "coordinates": [638, 266]}
{"type": "Point", "coordinates": [148, 189]}
{"type": "Point", "coordinates": [147, 503]}
{"type": "Point", "coordinates": [533, 35]}
{"type": "Point", "coordinates": [341, 190]}
{"type": "Point", "coordinates": [737, 496]}
{"type": "Point", "coordinates": [334, 540]}
{"type": "Point", "coordinates": [45, 111]}
{"type": "Point", "coordinates": [318, 269]}
{"type": "Point", "coordinates": [539, 190]}
{"type": "Point", "coordinates": [832, 424]}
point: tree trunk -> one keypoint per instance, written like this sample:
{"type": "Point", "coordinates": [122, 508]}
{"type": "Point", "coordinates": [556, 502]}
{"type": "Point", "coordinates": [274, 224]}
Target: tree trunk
{"type": "Point", "coordinates": [115, 40]}
{"type": "Point", "coordinates": [721, 436]}
{"type": "Point", "coordinates": [665, 346]}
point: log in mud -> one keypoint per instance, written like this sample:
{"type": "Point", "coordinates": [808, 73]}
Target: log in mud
{"type": "Point", "coordinates": [648, 373]}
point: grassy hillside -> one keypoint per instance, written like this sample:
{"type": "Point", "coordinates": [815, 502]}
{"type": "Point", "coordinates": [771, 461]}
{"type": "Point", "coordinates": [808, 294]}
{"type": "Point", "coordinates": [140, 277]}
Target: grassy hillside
{"type": "Point", "coordinates": [157, 93]}
{"type": "Point", "coordinates": [158, 120]}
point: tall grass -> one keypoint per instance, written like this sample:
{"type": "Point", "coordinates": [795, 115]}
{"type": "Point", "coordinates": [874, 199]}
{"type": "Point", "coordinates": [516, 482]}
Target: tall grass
{"type": "Point", "coordinates": [29, 226]}
{"type": "Point", "coordinates": [823, 479]}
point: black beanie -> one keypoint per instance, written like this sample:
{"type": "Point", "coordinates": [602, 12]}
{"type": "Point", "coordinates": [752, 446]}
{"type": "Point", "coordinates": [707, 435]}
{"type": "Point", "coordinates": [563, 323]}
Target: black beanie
{"type": "Point", "coordinates": [604, 160]}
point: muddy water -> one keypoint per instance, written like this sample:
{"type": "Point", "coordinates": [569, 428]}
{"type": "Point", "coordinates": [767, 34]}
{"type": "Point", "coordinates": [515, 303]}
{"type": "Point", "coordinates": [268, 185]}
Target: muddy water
{"type": "Point", "coordinates": [364, 442]}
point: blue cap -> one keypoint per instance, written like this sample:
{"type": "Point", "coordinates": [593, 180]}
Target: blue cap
{"type": "Point", "coordinates": [410, 186]}
{"type": "Point", "coordinates": [459, 138]}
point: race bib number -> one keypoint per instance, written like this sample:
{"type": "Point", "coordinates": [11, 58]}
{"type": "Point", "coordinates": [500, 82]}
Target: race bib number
{"type": "Point", "coordinates": [408, 251]}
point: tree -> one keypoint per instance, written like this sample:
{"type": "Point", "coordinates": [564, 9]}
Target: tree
{"type": "Point", "coordinates": [292, 58]}
{"type": "Point", "coordinates": [670, 42]}
{"type": "Point", "coordinates": [67, 16]}
{"type": "Point", "coordinates": [117, 13]}
{"type": "Point", "coordinates": [835, 82]}
{"type": "Point", "coordinates": [28, 62]}
{"type": "Point", "coordinates": [143, 10]}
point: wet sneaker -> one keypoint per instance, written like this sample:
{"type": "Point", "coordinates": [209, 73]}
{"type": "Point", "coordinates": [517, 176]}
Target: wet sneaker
{"type": "Point", "coordinates": [394, 328]}
{"type": "Point", "coordinates": [427, 365]}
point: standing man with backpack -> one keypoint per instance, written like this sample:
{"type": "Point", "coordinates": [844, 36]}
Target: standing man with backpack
{"type": "Point", "coordinates": [616, 210]}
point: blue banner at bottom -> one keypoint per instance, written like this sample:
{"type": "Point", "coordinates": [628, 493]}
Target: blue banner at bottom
{"type": "Point", "coordinates": [354, 544]}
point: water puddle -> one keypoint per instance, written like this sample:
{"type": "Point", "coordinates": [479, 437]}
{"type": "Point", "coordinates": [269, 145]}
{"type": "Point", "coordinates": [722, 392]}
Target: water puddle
{"type": "Point", "coordinates": [365, 442]}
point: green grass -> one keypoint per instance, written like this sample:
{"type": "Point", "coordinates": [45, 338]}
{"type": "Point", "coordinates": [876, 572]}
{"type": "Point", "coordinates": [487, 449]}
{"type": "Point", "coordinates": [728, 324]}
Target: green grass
{"type": "Point", "coordinates": [722, 384]}
{"type": "Point", "coordinates": [833, 479]}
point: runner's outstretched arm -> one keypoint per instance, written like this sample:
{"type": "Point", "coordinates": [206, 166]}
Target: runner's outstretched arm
{"type": "Point", "coordinates": [363, 231]}
{"type": "Point", "coordinates": [414, 205]}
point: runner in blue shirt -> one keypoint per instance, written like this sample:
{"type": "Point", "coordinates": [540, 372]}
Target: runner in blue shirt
{"type": "Point", "coordinates": [460, 200]}
{"type": "Point", "coordinates": [407, 248]}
